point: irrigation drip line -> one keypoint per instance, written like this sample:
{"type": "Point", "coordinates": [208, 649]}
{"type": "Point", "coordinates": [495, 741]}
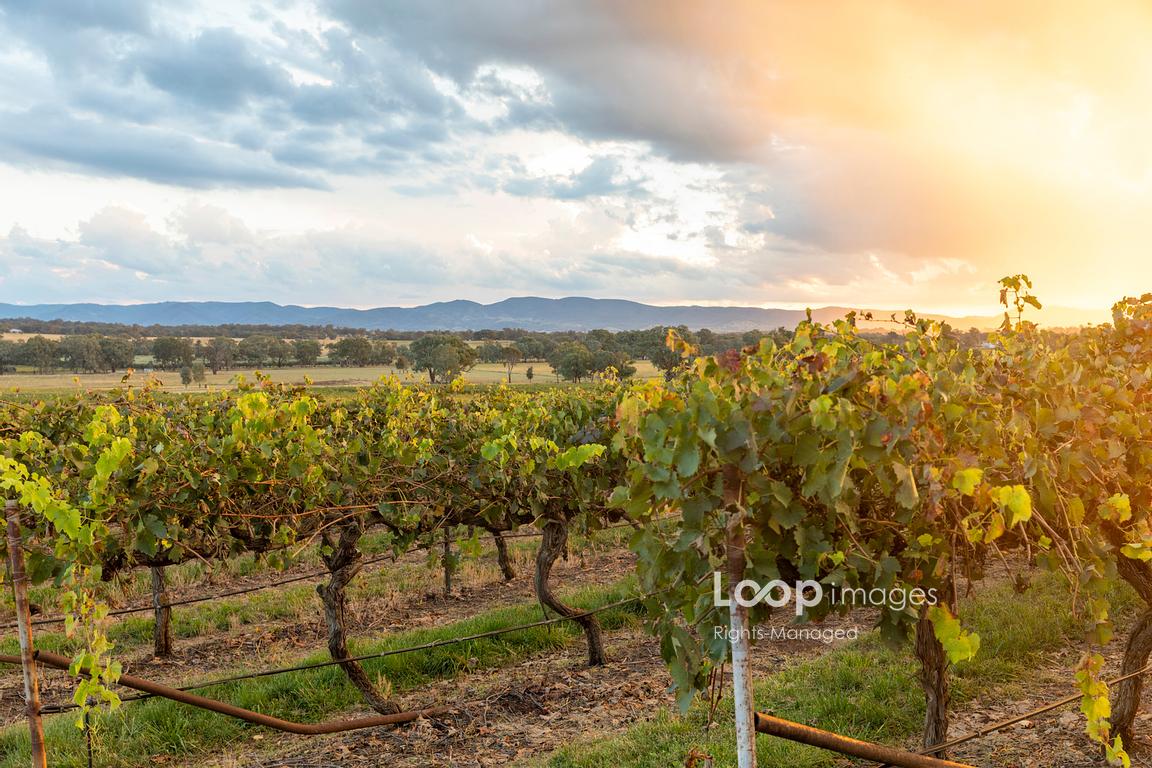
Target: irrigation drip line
{"type": "Point", "coordinates": [990, 729]}
{"type": "Point", "coordinates": [422, 647]}
{"type": "Point", "coordinates": [291, 580]}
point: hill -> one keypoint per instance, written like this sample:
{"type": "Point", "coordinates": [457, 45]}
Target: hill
{"type": "Point", "coordinates": [529, 312]}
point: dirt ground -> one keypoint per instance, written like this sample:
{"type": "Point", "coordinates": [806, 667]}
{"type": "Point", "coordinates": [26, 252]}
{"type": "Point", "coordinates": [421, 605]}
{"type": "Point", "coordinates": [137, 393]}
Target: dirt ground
{"type": "Point", "coordinates": [517, 712]}
{"type": "Point", "coordinates": [1054, 739]}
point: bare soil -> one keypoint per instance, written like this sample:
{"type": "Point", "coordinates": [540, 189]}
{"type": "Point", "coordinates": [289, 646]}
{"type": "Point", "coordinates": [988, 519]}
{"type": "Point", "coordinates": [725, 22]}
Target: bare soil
{"type": "Point", "coordinates": [518, 712]}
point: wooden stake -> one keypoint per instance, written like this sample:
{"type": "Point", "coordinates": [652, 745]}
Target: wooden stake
{"type": "Point", "coordinates": [24, 624]}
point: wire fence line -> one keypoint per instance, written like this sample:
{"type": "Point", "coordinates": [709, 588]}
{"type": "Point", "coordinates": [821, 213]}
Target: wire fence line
{"type": "Point", "coordinates": [388, 652]}
{"type": "Point", "coordinates": [391, 557]}
{"type": "Point", "coordinates": [1043, 709]}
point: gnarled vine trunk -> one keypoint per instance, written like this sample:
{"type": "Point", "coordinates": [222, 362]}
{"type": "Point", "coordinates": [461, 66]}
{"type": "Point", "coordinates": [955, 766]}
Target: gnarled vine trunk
{"type": "Point", "coordinates": [343, 563]}
{"type": "Point", "coordinates": [934, 682]}
{"type": "Point", "coordinates": [161, 613]}
{"type": "Point", "coordinates": [1126, 695]}
{"type": "Point", "coordinates": [503, 557]}
{"type": "Point", "coordinates": [552, 545]}
{"type": "Point", "coordinates": [448, 563]}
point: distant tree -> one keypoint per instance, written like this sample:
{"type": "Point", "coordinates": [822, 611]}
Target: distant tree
{"type": "Point", "coordinates": [199, 375]}
{"type": "Point", "coordinates": [529, 373]}
{"type": "Point", "coordinates": [573, 361]}
{"type": "Point", "coordinates": [186, 375]}
{"type": "Point", "coordinates": [511, 357]}
{"type": "Point", "coordinates": [83, 353]}
{"type": "Point", "coordinates": [383, 352]}
{"type": "Point", "coordinates": [220, 353]}
{"type": "Point", "coordinates": [119, 353]}
{"type": "Point", "coordinates": [306, 352]}
{"type": "Point", "coordinates": [616, 360]}
{"type": "Point", "coordinates": [490, 352]}
{"type": "Point", "coordinates": [171, 352]}
{"type": "Point", "coordinates": [706, 341]}
{"type": "Point", "coordinates": [255, 350]}
{"type": "Point", "coordinates": [442, 356]}
{"type": "Point", "coordinates": [402, 363]}
{"type": "Point", "coordinates": [280, 352]}
{"type": "Point", "coordinates": [352, 350]}
{"type": "Point", "coordinates": [10, 355]}
{"type": "Point", "coordinates": [530, 349]}
{"type": "Point", "coordinates": [41, 353]}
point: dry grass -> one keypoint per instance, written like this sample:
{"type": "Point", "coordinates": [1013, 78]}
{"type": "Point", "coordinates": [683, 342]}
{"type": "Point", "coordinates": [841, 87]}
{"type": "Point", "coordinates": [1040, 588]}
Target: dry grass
{"type": "Point", "coordinates": [319, 376]}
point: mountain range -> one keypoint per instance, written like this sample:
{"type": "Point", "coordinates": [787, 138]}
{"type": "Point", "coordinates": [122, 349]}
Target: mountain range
{"type": "Point", "coordinates": [529, 312]}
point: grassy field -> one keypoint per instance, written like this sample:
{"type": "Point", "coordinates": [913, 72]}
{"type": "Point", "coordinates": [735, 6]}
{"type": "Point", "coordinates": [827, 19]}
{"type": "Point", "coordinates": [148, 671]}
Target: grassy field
{"type": "Point", "coordinates": [320, 376]}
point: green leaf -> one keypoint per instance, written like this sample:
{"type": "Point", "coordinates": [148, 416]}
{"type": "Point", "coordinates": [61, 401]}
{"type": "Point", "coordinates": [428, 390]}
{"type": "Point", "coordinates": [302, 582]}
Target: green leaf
{"type": "Point", "coordinates": [959, 644]}
{"type": "Point", "coordinates": [688, 461]}
{"type": "Point", "coordinates": [1016, 499]}
{"type": "Point", "coordinates": [966, 480]}
{"type": "Point", "coordinates": [907, 495]}
{"type": "Point", "coordinates": [578, 456]}
{"type": "Point", "coordinates": [1118, 508]}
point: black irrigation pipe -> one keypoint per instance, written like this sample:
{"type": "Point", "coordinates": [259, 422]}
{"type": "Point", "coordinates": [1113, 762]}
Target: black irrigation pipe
{"type": "Point", "coordinates": [291, 580]}
{"type": "Point", "coordinates": [391, 652]}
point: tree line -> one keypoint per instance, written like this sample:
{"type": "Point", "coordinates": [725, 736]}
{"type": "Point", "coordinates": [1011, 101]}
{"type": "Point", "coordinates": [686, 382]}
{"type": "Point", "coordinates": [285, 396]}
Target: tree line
{"type": "Point", "coordinates": [572, 355]}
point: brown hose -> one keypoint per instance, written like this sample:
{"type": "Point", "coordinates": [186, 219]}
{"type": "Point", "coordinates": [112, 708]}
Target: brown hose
{"type": "Point", "coordinates": [815, 737]}
{"type": "Point", "coordinates": [247, 715]}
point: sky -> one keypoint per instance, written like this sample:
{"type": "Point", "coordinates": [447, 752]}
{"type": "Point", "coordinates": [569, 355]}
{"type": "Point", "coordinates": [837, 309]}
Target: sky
{"type": "Point", "coordinates": [883, 153]}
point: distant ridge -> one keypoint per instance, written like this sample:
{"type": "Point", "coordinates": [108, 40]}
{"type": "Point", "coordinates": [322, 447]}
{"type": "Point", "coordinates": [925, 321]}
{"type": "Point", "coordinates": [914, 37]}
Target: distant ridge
{"type": "Point", "coordinates": [528, 312]}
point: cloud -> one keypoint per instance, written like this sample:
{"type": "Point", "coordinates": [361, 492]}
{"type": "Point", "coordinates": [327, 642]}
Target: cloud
{"type": "Point", "coordinates": [214, 70]}
{"type": "Point", "coordinates": [166, 96]}
{"type": "Point", "coordinates": [121, 16]}
{"type": "Point", "coordinates": [51, 138]}
{"type": "Point", "coordinates": [601, 177]}
{"type": "Point", "coordinates": [201, 223]}
{"type": "Point", "coordinates": [124, 238]}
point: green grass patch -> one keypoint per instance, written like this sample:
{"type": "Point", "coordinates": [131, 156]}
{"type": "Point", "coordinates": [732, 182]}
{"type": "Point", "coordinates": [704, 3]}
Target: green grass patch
{"type": "Point", "coordinates": [146, 729]}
